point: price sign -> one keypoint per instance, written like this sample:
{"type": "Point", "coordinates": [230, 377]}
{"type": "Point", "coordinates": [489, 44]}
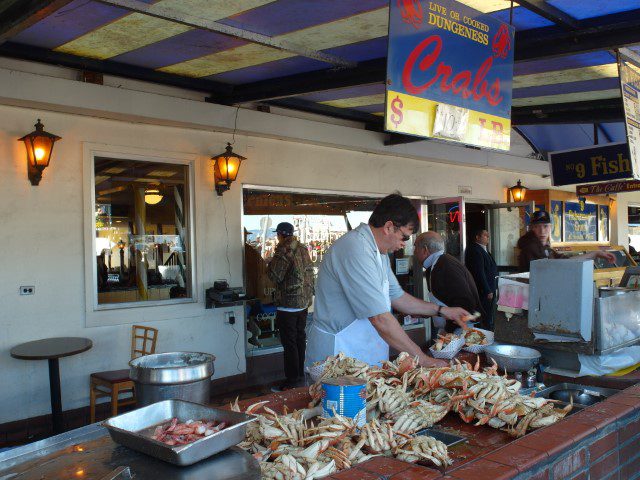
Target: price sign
{"type": "Point", "coordinates": [451, 122]}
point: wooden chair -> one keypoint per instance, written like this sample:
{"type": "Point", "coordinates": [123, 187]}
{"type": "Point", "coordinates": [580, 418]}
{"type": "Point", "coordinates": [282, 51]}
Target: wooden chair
{"type": "Point", "coordinates": [114, 382]}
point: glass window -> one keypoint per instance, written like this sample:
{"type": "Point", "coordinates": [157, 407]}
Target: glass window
{"type": "Point", "coordinates": [142, 231]}
{"type": "Point", "coordinates": [318, 221]}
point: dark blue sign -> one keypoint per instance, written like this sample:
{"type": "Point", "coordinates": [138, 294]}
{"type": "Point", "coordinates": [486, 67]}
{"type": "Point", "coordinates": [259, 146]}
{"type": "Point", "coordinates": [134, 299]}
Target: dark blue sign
{"type": "Point", "coordinates": [580, 222]}
{"type": "Point", "coordinates": [443, 54]}
{"type": "Point", "coordinates": [599, 163]}
{"type": "Point", "coordinates": [447, 52]}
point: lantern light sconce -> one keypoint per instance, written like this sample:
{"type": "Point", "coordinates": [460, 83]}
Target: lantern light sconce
{"type": "Point", "coordinates": [225, 169]}
{"type": "Point", "coordinates": [518, 192]}
{"type": "Point", "coordinates": [153, 196]}
{"type": "Point", "coordinates": [39, 146]}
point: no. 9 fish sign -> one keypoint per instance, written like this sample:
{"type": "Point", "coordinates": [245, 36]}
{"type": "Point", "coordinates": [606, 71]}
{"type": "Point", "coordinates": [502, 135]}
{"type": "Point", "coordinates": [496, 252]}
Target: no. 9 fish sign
{"type": "Point", "coordinates": [445, 58]}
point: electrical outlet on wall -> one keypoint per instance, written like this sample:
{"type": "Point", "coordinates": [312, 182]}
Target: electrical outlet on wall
{"type": "Point", "coordinates": [230, 318]}
{"type": "Point", "coordinates": [27, 290]}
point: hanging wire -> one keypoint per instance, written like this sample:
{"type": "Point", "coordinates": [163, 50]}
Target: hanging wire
{"type": "Point", "coordinates": [511, 14]}
{"type": "Point", "coordinates": [235, 126]}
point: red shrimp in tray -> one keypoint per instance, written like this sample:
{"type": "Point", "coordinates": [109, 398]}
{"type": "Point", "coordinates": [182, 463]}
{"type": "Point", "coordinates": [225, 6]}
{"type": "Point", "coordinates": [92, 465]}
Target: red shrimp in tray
{"type": "Point", "coordinates": [176, 433]}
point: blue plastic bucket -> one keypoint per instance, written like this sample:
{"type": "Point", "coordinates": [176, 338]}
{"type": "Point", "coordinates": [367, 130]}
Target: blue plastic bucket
{"type": "Point", "coordinates": [347, 396]}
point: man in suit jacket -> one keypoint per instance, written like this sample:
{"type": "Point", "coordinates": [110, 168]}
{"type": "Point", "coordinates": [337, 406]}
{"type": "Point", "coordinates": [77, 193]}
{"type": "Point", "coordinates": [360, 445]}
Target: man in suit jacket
{"type": "Point", "coordinates": [484, 271]}
{"type": "Point", "coordinates": [450, 283]}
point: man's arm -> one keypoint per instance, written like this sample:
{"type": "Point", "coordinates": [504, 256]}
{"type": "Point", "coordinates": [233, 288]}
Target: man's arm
{"type": "Point", "coordinates": [610, 257]}
{"type": "Point", "coordinates": [391, 332]}
{"type": "Point", "coordinates": [414, 306]}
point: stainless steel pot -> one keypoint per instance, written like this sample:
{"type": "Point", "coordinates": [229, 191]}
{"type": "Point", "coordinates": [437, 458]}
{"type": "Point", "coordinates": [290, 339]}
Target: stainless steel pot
{"type": "Point", "coordinates": [513, 358]}
{"type": "Point", "coordinates": [612, 291]}
{"type": "Point", "coordinates": [173, 375]}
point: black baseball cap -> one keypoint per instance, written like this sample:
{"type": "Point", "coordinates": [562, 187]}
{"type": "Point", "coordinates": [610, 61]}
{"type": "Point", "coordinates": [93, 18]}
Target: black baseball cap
{"type": "Point", "coordinates": [540, 217]}
{"type": "Point", "coordinates": [285, 228]}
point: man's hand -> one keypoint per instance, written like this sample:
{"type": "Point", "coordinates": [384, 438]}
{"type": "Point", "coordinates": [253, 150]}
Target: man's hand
{"type": "Point", "coordinates": [430, 362]}
{"type": "Point", "coordinates": [457, 314]}
{"type": "Point", "coordinates": [608, 256]}
{"type": "Point", "coordinates": [490, 296]}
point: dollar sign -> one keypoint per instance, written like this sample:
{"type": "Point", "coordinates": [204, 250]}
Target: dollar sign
{"type": "Point", "coordinates": [396, 107]}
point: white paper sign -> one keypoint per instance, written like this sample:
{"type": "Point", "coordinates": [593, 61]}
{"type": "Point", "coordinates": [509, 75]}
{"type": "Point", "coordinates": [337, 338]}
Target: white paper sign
{"type": "Point", "coordinates": [451, 122]}
{"type": "Point", "coordinates": [629, 70]}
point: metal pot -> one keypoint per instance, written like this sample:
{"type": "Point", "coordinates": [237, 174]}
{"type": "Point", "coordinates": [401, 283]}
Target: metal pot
{"type": "Point", "coordinates": [612, 291]}
{"type": "Point", "coordinates": [173, 375]}
{"type": "Point", "coordinates": [513, 358]}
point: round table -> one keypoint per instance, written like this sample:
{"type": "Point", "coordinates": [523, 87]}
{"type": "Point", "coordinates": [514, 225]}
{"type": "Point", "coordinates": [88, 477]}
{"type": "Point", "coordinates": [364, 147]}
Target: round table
{"type": "Point", "coordinates": [52, 349]}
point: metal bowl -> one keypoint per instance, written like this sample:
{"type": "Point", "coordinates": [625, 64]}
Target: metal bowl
{"type": "Point", "coordinates": [512, 357]}
{"type": "Point", "coordinates": [172, 367]}
{"type": "Point", "coordinates": [575, 396]}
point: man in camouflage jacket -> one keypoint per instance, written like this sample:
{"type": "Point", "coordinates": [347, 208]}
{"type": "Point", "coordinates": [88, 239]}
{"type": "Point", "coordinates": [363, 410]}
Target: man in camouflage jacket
{"type": "Point", "coordinates": [291, 270]}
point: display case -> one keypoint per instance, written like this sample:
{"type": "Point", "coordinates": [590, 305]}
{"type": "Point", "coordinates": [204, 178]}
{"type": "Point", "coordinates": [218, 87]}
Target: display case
{"type": "Point", "coordinates": [604, 274]}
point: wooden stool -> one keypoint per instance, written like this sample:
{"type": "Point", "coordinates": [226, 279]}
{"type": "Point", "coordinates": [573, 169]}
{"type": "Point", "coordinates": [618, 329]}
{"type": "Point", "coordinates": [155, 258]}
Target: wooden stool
{"type": "Point", "coordinates": [114, 382]}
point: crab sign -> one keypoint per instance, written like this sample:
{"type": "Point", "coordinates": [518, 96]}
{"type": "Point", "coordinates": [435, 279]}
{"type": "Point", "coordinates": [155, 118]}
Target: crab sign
{"type": "Point", "coordinates": [411, 12]}
{"type": "Point", "coordinates": [501, 42]}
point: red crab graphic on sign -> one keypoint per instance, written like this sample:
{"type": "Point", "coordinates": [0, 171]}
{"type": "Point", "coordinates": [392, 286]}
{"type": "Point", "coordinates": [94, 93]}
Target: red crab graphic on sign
{"type": "Point", "coordinates": [411, 12]}
{"type": "Point", "coordinates": [501, 42]}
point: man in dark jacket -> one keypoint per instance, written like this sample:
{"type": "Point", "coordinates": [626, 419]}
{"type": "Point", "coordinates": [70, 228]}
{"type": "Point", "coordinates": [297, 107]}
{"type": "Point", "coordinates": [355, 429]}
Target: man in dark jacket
{"type": "Point", "coordinates": [291, 271]}
{"type": "Point", "coordinates": [449, 282]}
{"type": "Point", "coordinates": [535, 244]}
{"type": "Point", "coordinates": [484, 271]}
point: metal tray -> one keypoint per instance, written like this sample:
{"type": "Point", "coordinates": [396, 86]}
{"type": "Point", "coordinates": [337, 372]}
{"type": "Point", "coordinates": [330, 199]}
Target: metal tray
{"type": "Point", "coordinates": [125, 429]}
{"type": "Point", "coordinates": [447, 438]}
{"type": "Point", "coordinates": [582, 394]}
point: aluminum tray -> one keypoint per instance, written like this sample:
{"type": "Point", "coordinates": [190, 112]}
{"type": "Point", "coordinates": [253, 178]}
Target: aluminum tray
{"type": "Point", "coordinates": [449, 439]}
{"type": "Point", "coordinates": [125, 429]}
{"type": "Point", "coordinates": [597, 393]}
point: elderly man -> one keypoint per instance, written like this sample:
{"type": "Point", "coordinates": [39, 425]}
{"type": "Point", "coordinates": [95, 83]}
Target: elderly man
{"type": "Point", "coordinates": [450, 283]}
{"type": "Point", "coordinates": [356, 289]}
{"type": "Point", "coordinates": [535, 244]}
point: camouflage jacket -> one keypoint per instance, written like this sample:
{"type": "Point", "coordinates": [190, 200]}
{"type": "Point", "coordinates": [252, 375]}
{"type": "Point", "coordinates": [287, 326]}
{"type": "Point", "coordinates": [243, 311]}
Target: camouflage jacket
{"type": "Point", "coordinates": [292, 272]}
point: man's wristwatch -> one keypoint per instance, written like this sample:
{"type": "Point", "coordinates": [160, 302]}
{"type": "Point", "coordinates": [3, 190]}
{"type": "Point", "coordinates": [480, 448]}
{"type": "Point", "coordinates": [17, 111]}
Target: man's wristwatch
{"type": "Point", "coordinates": [439, 310]}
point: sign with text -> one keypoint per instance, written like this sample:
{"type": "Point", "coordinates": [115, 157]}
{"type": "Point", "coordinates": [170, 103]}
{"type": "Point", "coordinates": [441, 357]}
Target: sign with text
{"type": "Point", "coordinates": [609, 187]}
{"type": "Point", "coordinates": [442, 55]}
{"type": "Point", "coordinates": [580, 222]}
{"type": "Point", "coordinates": [590, 164]}
{"type": "Point", "coordinates": [629, 70]}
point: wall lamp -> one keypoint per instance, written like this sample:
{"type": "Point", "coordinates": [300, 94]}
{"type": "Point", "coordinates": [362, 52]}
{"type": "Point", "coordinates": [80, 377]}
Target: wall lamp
{"type": "Point", "coordinates": [225, 169]}
{"type": "Point", "coordinates": [153, 196]}
{"type": "Point", "coordinates": [39, 146]}
{"type": "Point", "coordinates": [518, 192]}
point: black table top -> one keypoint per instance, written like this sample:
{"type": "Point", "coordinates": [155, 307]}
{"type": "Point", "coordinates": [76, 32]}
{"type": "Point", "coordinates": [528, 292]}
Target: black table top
{"type": "Point", "coordinates": [49, 348]}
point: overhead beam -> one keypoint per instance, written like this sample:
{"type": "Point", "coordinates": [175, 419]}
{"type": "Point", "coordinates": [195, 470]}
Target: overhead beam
{"type": "Point", "coordinates": [551, 13]}
{"type": "Point", "coordinates": [109, 67]}
{"type": "Point", "coordinates": [18, 15]}
{"type": "Point", "coordinates": [164, 13]}
{"type": "Point", "coordinates": [598, 111]}
{"type": "Point", "coordinates": [613, 31]}
{"type": "Point", "coordinates": [373, 122]}
{"type": "Point", "coordinates": [370, 71]}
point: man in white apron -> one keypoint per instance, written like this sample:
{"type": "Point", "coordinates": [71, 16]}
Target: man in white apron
{"type": "Point", "coordinates": [356, 289]}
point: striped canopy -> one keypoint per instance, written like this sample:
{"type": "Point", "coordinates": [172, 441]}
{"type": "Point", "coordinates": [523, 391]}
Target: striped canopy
{"type": "Point", "coordinates": [323, 56]}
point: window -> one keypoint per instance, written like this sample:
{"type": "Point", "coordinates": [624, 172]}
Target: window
{"type": "Point", "coordinates": [318, 220]}
{"type": "Point", "coordinates": [142, 231]}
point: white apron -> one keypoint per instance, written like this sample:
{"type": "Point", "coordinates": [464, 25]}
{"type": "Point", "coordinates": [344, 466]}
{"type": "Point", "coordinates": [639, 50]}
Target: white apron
{"type": "Point", "coordinates": [359, 340]}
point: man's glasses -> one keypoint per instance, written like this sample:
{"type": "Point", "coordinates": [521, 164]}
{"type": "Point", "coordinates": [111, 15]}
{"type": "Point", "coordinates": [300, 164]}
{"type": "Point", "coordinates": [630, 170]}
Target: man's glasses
{"type": "Point", "coordinates": [405, 237]}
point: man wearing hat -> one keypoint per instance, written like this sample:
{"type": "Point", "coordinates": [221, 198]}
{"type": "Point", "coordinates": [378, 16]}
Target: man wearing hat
{"type": "Point", "coordinates": [535, 244]}
{"type": "Point", "coordinates": [291, 270]}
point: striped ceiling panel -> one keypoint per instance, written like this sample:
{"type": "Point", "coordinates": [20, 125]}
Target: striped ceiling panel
{"type": "Point", "coordinates": [349, 30]}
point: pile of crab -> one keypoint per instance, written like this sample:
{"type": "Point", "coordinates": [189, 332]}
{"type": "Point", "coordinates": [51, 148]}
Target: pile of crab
{"type": "Point", "coordinates": [402, 399]}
